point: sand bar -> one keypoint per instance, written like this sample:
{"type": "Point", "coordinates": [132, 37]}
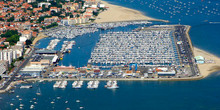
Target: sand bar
{"type": "Point", "coordinates": [116, 13]}
{"type": "Point", "coordinates": [207, 68]}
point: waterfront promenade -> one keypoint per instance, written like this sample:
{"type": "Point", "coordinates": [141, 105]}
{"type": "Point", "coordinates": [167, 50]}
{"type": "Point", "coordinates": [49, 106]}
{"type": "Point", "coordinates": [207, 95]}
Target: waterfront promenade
{"type": "Point", "coordinates": [118, 79]}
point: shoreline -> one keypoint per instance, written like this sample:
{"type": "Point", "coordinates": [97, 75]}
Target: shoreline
{"type": "Point", "coordinates": [39, 37]}
{"type": "Point", "coordinates": [207, 69]}
{"type": "Point", "coordinates": [119, 79]}
{"type": "Point", "coordinates": [10, 86]}
{"type": "Point", "coordinates": [116, 13]}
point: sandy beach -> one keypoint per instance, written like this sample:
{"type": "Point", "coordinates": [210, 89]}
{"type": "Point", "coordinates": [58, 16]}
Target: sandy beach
{"type": "Point", "coordinates": [116, 13]}
{"type": "Point", "coordinates": [39, 37]}
{"type": "Point", "coordinates": [207, 68]}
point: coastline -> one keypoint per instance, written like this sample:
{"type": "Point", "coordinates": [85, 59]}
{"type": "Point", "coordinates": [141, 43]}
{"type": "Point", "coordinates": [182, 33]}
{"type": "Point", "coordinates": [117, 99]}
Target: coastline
{"type": "Point", "coordinates": [10, 86]}
{"type": "Point", "coordinates": [119, 79]}
{"type": "Point", "coordinates": [119, 14]}
{"type": "Point", "coordinates": [39, 37]}
{"type": "Point", "coordinates": [116, 13]}
{"type": "Point", "coordinates": [207, 68]}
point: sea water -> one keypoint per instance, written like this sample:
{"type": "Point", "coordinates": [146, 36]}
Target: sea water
{"type": "Point", "coordinates": [132, 95]}
{"type": "Point", "coordinates": [197, 13]}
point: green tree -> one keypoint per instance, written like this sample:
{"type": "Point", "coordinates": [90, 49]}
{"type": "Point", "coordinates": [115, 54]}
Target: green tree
{"type": "Point", "coordinates": [11, 19]}
{"type": "Point", "coordinates": [9, 33]}
{"type": "Point", "coordinates": [13, 39]}
{"type": "Point", "coordinates": [28, 42]}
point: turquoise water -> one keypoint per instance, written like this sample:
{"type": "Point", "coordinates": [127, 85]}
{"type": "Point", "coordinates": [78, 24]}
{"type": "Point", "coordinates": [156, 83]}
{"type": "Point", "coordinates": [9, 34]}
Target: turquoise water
{"type": "Point", "coordinates": [167, 95]}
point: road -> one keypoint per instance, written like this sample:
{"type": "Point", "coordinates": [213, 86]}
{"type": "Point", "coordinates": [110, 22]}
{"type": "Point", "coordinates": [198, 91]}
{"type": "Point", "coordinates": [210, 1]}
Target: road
{"type": "Point", "coordinates": [187, 57]}
{"type": "Point", "coordinates": [16, 71]}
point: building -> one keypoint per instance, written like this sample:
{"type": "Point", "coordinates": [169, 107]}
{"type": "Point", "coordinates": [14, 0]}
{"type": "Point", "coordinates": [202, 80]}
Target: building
{"type": "Point", "coordinates": [101, 5]}
{"type": "Point", "coordinates": [6, 55]}
{"type": "Point", "coordinates": [31, 1]}
{"type": "Point", "coordinates": [10, 54]}
{"type": "Point", "coordinates": [54, 9]}
{"type": "Point", "coordinates": [52, 19]}
{"type": "Point", "coordinates": [46, 52]}
{"type": "Point", "coordinates": [43, 60]}
{"type": "Point", "coordinates": [64, 69]}
{"type": "Point", "coordinates": [33, 71]}
{"type": "Point", "coordinates": [200, 59]}
{"type": "Point", "coordinates": [44, 3]}
{"type": "Point", "coordinates": [73, 21]}
{"type": "Point", "coordinates": [166, 73]}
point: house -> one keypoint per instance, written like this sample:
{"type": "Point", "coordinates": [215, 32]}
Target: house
{"type": "Point", "coordinates": [27, 34]}
{"type": "Point", "coordinates": [31, 1]}
{"type": "Point", "coordinates": [54, 9]}
{"type": "Point", "coordinates": [44, 3]}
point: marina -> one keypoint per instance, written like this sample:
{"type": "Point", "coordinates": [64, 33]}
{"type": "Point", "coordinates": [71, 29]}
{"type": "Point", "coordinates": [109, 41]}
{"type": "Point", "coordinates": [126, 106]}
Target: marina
{"type": "Point", "coordinates": [52, 44]}
{"type": "Point", "coordinates": [146, 47]}
{"type": "Point", "coordinates": [112, 85]}
{"type": "Point", "coordinates": [77, 84]}
{"type": "Point", "coordinates": [67, 46]}
{"type": "Point", "coordinates": [60, 84]}
{"type": "Point", "coordinates": [93, 84]}
{"type": "Point", "coordinates": [71, 32]}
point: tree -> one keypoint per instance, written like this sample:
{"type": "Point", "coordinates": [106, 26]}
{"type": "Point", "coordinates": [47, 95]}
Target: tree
{"type": "Point", "coordinates": [95, 13]}
{"type": "Point", "coordinates": [13, 39]}
{"type": "Point", "coordinates": [28, 42]}
{"type": "Point", "coordinates": [1, 19]}
{"type": "Point", "coordinates": [9, 33]}
{"type": "Point", "coordinates": [21, 58]}
{"type": "Point", "coordinates": [11, 19]}
{"type": "Point", "coordinates": [40, 19]}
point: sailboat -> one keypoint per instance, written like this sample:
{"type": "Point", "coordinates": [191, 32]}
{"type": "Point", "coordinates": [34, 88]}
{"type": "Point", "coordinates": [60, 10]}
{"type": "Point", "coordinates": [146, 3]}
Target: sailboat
{"type": "Point", "coordinates": [38, 91]}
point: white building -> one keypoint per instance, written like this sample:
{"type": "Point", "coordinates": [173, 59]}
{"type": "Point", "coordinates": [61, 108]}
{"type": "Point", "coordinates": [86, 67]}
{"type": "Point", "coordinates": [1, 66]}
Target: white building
{"type": "Point", "coordinates": [22, 39]}
{"type": "Point", "coordinates": [44, 3]}
{"type": "Point", "coordinates": [6, 55]}
{"type": "Point", "coordinates": [72, 21]}
{"type": "Point", "coordinates": [100, 5]}
{"type": "Point", "coordinates": [31, 1]}
{"type": "Point", "coordinates": [10, 54]}
{"type": "Point", "coordinates": [27, 34]}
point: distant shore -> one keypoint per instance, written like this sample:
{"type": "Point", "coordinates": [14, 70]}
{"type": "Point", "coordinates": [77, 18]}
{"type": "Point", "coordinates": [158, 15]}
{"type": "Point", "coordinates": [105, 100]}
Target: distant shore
{"type": "Point", "coordinates": [116, 13]}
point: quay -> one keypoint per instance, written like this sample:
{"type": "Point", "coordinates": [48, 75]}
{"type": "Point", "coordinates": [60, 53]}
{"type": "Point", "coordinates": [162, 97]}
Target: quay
{"type": "Point", "coordinates": [119, 79]}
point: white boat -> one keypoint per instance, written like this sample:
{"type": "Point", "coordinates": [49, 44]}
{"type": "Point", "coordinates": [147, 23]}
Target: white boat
{"type": "Point", "coordinates": [77, 84]}
{"type": "Point", "coordinates": [26, 87]}
{"type": "Point", "coordinates": [57, 84]}
{"type": "Point", "coordinates": [63, 84]}
{"type": "Point", "coordinates": [81, 82]}
{"type": "Point", "coordinates": [113, 85]}
{"type": "Point", "coordinates": [93, 84]}
{"type": "Point", "coordinates": [74, 84]}
{"type": "Point", "coordinates": [32, 106]}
